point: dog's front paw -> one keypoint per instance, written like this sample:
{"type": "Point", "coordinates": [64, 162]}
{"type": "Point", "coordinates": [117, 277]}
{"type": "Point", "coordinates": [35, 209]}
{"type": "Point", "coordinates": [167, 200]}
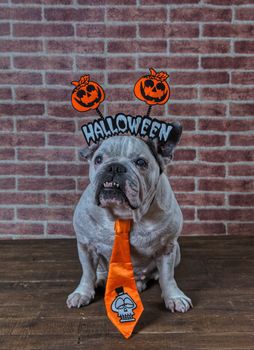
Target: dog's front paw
{"type": "Point", "coordinates": [77, 299]}
{"type": "Point", "coordinates": [179, 303]}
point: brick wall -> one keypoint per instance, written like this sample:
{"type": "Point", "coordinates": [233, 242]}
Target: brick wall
{"type": "Point", "coordinates": [206, 48]}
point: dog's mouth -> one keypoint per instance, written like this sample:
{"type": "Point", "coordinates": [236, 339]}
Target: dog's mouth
{"type": "Point", "coordinates": [111, 193]}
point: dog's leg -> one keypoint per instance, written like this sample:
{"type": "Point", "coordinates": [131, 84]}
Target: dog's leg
{"type": "Point", "coordinates": [175, 299]}
{"type": "Point", "coordinates": [84, 293]}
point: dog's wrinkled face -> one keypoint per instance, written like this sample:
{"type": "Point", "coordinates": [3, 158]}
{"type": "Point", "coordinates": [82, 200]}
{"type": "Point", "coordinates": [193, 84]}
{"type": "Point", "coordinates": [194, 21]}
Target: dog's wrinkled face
{"type": "Point", "coordinates": [123, 170]}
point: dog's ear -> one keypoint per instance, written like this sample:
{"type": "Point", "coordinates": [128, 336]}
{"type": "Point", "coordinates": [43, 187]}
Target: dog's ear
{"type": "Point", "coordinates": [166, 149]}
{"type": "Point", "coordinates": [88, 151]}
{"type": "Point", "coordinates": [163, 151]}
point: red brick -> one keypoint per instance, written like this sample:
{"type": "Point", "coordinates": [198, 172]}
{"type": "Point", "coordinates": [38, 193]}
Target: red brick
{"type": "Point", "coordinates": [188, 213]}
{"type": "Point", "coordinates": [241, 140]}
{"type": "Point", "coordinates": [41, 214]}
{"type": "Point", "coordinates": [226, 214]}
{"type": "Point", "coordinates": [60, 229]}
{"type": "Point", "coordinates": [179, 93]}
{"type": "Point", "coordinates": [226, 125]}
{"type": "Point", "coordinates": [22, 198]}
{"type": "Point", "coordinates": [43, 30]}
{"type": "Point", "coordinates": [107, 2]}
{"type": "Point", "coordinates": [241, 200]}
{"type": "Point", "coordinates": [229, 30]}
{"type": "Point", "coordinates": [224, 185]}
{"type": "Point", "coordinates": [242, 109]}
{"type": "Point", "coordinates": [17, 109]}
{"type": "Point", "coordinates": [65, 79]}
{"type": "Point", "coordinates": [22, 140]}
{"type": "Point", "coordinates": [123, 77]}
{"type": "Point", "coordinates": [202, 14]}
{"type": "Point", "coordinates": [7, 183]}
{"type": "Point", "coordinates": [119, 94]}
{"type": "Point", "coordinates": [137, 14]}
{"type": "Point", "coordinates": [91, 63]}
{"type": "Point", "coordinates": [243, 78]}
{"type": "Point", "coordinates": [48, 184]}
{"type": "Point", "coordinates": [196, 170]}
{"type": "Point", "coordinates": [228, 2]}
{"type": "Point", "coordinates": [22, 169]}
{"type": "Point", "coordinates": [244, 14]}
{"type": "Point", "coordinates": [203, 229]}
{"type": "Point", "coordinates": [5, 62]}
{"type": "Point", "coordinates": [182, 185]}
{"type": "Point", "coordinates": [200, 46]}
{"type": "Point", "coordinates": [69, 199]}
{"type": "Point", "coordinates": [197, 109]}
{"type": "Point", "coordinates": [204, 140]}
{"type": "Point", "coordinates": [96, 30]}
{"type": "Point", "coordinates": [6, 124]}
{"type": "Point", "coordinates": [20, 45]}
{"type": "Point", "coordinates": [43, 62]}
{"type": "Point", "coordinates": [245, 47]}
{"type": "Point", "coordinates": [7, 153]}
{"type": "Point", "coordinates": [70, 169]}
{"type": "Point", "coordinates": [240, 228]}
{"type": "Point", "coordinates": [227, 93]}
{"type": "Point", "coordinates": [77, 46]}
{"type": "Point", "coordinates": [169, 30]}
{"type": "Point", "coordinates": [44, 154]}
{"type": "Point", "coordinates": [226, 155]}
{"type": "Point", "coordinates": [5, 94]}
{"type": "Point", "coordinates": [72, 140]}
{"type": "Point", "coordinates": [45, 125]}
{"type": "Point", "coordinates": [135, 46]}
{"type": "Point", "coordinates": [5, 28]}
{"type": "Point", "coordinates": [200, 199]}
{"type": "Point", "coordinates": [227, 62]}
{"type": "Point", "coordinates": [241, 170]}
{"type": "Point", "coordinates": [42, 94]}
{"type": "Point", "coordinates": [134, 109]}
{"type": "Point", "coordinates": [187, 124]}
{"type": "Point", "coordinates": [184, 154]}
{"type": "Point", "coordinates": [20, 13]}
{"type": "Point", "coordinates": [167, 2]}
{"type": "Point", "coordinates": [165, 62]}
{"type": "Point", "coordinates": [75, 14]}
{"type": "Point", "coordinates": [21, 229]}
{"type": "Point", "coordinates": [6, 214]}
{"type": "Point", "coordinates": [124, 62]}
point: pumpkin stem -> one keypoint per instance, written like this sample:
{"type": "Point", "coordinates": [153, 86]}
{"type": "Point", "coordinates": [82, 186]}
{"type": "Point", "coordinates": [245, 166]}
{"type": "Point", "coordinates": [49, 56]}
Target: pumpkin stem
{"type": "Point", "coordinates": [99, 112]}
{"type": "Point", "coordinates": [75, 83]}
{"type": "Point", "coordinates": [152, 71]}
{"type": "Point", "coordinates": [149, 111]}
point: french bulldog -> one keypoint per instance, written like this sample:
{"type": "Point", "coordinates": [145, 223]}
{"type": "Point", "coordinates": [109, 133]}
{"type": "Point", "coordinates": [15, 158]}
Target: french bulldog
{"type": "Point", "coordinates": [127, 181]}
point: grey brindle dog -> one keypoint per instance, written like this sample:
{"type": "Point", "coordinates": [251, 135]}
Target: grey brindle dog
{"type": "Point", "coordinates": [127, 181]}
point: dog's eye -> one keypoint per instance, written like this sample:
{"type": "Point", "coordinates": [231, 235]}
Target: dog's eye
{"type": "Point", "coordinates": [141, 162]}
{"type": "Point", "coordinates": [98, 160]}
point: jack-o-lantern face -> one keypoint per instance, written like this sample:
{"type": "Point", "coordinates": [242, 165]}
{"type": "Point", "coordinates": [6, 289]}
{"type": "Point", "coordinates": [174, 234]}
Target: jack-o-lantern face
{"type": "Point", "coordinates": [87, 94]}
{"type": "Point", "coordinates": [153, 88]}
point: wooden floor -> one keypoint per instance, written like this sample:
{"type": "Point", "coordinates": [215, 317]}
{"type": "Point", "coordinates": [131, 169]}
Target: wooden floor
{"type": "Point", "coordinates": [216, 272]}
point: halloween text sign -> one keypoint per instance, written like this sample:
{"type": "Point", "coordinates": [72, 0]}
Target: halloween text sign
{"type": "Point", "coordinates": [143, 126]}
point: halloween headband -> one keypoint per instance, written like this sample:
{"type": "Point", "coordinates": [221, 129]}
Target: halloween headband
{"type": "Point", "coordinates": [152, 89]}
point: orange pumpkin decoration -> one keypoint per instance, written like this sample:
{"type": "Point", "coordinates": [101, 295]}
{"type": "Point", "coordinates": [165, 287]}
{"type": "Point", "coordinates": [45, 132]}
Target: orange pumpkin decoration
{"type": "Point", "coordinates": [87, 94]}
{"type": "Point", "coordinates": [153, 88]}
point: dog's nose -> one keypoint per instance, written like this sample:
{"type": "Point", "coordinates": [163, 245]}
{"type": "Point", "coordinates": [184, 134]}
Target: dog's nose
{"type": "Point", "coordinates": [116, 168]}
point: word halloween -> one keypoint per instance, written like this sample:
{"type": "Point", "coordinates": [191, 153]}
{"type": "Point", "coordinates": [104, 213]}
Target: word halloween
{"type": "Point", "coordinates": [121, 123]}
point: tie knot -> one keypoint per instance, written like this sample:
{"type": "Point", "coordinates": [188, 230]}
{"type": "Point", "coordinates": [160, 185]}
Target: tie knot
{"type": "Point", "coordinates": [122, 227]}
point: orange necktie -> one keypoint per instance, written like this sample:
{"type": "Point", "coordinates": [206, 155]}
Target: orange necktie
{"type": "Point", "coordinates": [123, 303]}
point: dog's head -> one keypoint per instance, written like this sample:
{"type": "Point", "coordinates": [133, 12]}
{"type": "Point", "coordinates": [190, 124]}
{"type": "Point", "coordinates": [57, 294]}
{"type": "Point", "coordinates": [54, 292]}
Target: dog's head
{"type": "Point", "coordinates": [124, 170]}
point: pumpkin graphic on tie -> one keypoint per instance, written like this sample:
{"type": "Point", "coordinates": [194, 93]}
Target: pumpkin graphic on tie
{"type": "Point", "coordinates": [87, 94]}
